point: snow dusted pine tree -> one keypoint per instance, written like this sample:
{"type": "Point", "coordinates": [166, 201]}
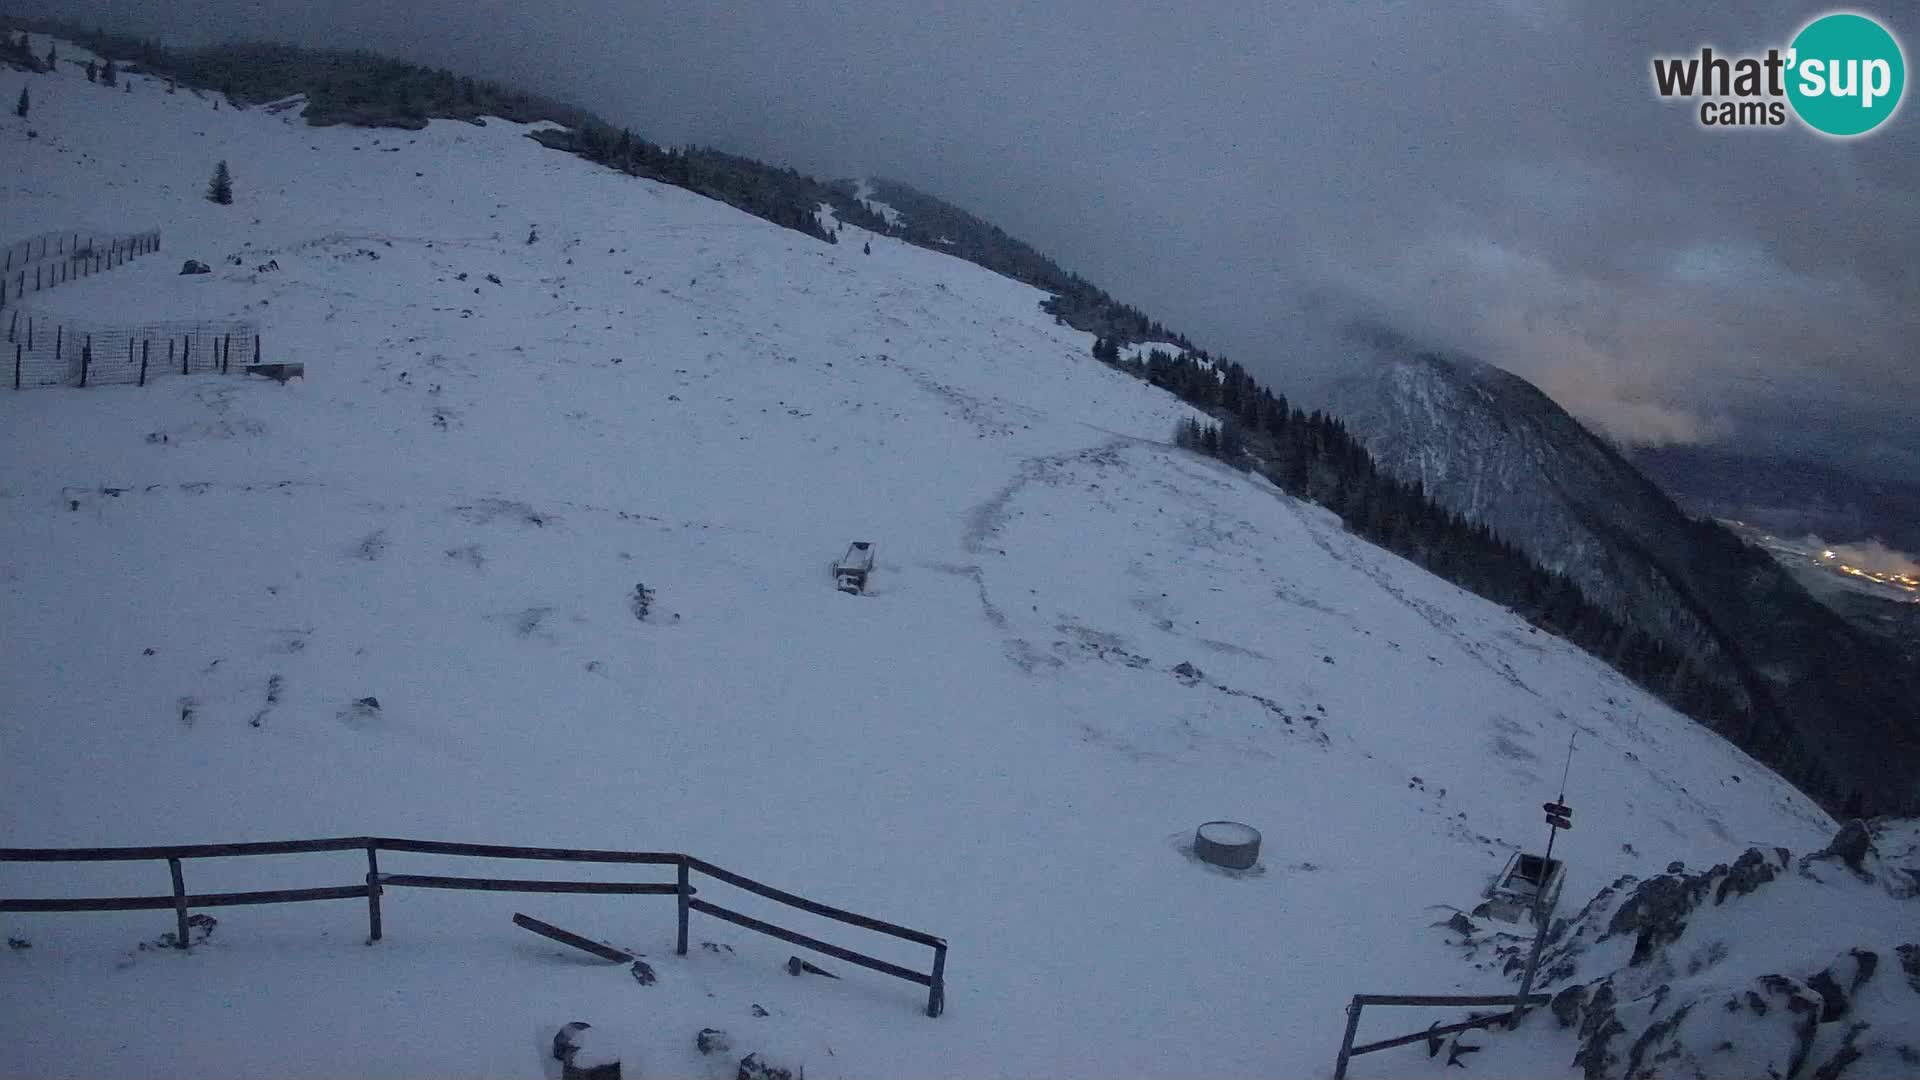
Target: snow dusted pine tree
{"type": "Point", "coordinates": [221, 189]}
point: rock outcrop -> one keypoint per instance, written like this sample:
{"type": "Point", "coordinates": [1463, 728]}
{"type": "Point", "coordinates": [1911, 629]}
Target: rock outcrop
{"type": "Point", "coordinates": [1769, 966]}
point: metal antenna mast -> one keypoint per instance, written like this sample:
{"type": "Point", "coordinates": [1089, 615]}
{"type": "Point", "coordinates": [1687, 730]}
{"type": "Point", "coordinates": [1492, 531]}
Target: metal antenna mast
{"type": "Point", "coordinates": [1559, 816]}
{"type": "Point", "coordinates": [1553, 830]}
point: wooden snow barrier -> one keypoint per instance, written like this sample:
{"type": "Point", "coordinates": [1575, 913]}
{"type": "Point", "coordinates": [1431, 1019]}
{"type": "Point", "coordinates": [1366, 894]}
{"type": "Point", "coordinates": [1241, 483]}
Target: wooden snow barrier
{"type": "Point", "coordinates": [375, 883]}
{"type": "Point", "coordinates": [1432, 1035]}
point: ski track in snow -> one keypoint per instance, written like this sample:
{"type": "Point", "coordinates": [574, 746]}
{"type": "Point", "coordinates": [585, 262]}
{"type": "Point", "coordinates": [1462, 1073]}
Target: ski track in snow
{"type": "Point", "coordinates": [206, 577]}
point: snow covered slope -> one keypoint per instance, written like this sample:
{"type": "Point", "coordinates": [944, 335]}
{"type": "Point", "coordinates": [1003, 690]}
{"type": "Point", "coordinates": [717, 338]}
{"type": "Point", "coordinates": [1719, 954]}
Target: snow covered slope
{"type": "Point", "coordinates": [450, 513]}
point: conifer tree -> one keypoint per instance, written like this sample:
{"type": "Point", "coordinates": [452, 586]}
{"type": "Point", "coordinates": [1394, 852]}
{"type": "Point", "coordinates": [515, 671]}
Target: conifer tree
{"type": "Point", "coordinates": [110, 74]}
{"type": "Point", "coordinates": [53, 55]}
{"type": "Point", "coordinates": [221, 189]}
{"type": "Point", "coordinates": [20, 109]}
{"type": "Point", "coordinates": [93, 72]}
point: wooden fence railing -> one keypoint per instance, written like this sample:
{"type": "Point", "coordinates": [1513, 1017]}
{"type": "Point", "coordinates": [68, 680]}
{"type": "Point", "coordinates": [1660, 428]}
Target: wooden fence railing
{"type": "Point", "coordinates": [1348, 1051]}
{"type": "Point", "coordinates": [376, 883]}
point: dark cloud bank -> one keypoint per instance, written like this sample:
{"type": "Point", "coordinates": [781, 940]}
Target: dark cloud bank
{"type": "Point", "coordinates": [1492, 176]}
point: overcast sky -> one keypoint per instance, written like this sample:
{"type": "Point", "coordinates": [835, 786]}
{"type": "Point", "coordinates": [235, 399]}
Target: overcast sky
{"type": "Point", "coordinates": [1490, 175]}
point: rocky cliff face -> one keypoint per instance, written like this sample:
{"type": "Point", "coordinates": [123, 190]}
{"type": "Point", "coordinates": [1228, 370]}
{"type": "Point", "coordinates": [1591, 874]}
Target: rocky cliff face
{"type": "Point", "coordinates": [1769, 967]}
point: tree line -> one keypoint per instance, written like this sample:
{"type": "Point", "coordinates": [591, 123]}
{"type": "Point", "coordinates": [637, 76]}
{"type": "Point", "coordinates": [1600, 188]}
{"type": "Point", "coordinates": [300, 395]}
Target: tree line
{"type": "Point", "coordinates": [1314, 457]}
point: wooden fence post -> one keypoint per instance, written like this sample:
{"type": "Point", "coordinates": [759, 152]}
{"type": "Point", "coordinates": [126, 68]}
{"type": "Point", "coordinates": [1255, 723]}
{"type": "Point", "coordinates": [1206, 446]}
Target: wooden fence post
{"type": "Point", "coordinates": [226, 353]}
{"type": "Point", "coordinates": [59, 338]}
{"type": "Point", "coordinates": [145, 348]}
{"type": "Point", "coordinates": [256, 348]}
{"type": "Point", "coordinates": [1541, 913]}
{"type": "Point", "coordinates": [1346, 1042]}
{"type": "Point", "coordinates": [170, 354]}
{"type": "Point", "coordinates": [937, 993]}
{"type": "Point", "coordinates": [186, 354]}
{"type": "Point", "coordinates": [179, 902]}
{"type": "Point", "coordinates": [86, 360]}
{"type": "Point", "coordinates": [373, 893]}
{"type": "Point", "coordinates": [680, 946]}
{"type": "Point", "coordinates": [16, 365]}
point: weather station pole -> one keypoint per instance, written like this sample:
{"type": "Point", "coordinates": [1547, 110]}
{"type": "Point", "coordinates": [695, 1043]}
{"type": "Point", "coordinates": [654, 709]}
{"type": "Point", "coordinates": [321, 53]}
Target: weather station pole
{"type": "Point", "coordinates": [1559, 816]}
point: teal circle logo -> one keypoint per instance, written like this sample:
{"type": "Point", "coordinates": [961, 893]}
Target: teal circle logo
{"type": "Point", "coordinates": [1846, 74]}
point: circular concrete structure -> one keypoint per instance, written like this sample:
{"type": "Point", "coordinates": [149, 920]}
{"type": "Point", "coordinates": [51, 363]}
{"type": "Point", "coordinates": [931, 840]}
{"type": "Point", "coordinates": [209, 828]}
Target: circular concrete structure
{"type": "Point", "coordinates": [1227, 843]}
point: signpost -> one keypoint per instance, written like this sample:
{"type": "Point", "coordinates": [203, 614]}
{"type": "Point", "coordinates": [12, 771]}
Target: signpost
{"type": "Point", "coordinates": [1559, 816]}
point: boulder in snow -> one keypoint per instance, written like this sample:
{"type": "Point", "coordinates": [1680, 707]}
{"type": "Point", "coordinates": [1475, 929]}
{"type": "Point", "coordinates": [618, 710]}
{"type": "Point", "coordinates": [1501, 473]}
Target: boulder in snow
{"type": "Point", "coordinates": [583, 1056]}
{"type": "Point", "coordinates": [797, 966]}
{"type": "Point", "coordinates": [757, 1067]}
{"type": "Point", "coordinates": [1851, 845]}
{"type": "Point", "coordinates": [713, 1041]}
{"type": "Point", "coordinates": [195, 266]}
{"type": "Point", "coordinates": [565, 1040]}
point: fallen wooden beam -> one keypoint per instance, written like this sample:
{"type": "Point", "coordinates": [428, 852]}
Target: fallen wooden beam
{"type": "Point", "coordinates": [278, 372]}
{"type": "Point", "coordinates": [548, 930]}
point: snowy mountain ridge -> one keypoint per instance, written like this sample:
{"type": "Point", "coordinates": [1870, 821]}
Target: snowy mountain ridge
{"type": "Point", "coordinates": [1079, 643]}
{"type": "Point", "coordinates": [1835, 709]}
